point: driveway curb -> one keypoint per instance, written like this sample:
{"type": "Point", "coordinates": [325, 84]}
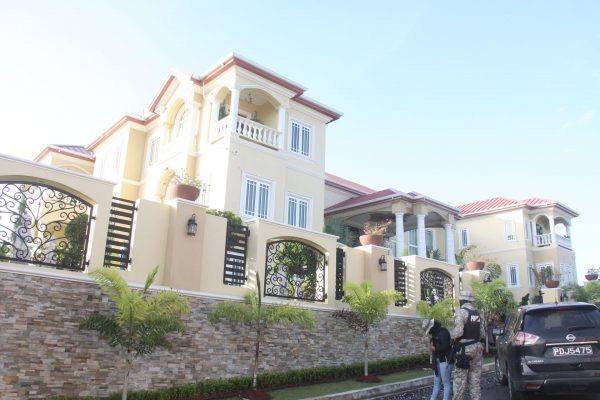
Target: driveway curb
{"type": "Point", "coordinates": [388, 389]}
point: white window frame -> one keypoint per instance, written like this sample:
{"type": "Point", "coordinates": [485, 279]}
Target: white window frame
{"type": "Point", "coordinates": [509, 281]}
{"type": "Point", "coordinates": [301, 127]}
{"type": "Point", "coordinates": [461, 242]}
{"type": "Point", "coordinates": [178, 124]}
{"type": "Point", "coordinates": [414, 246]}
{"type": "Point", "coordinates": [531, 276]}
{"type": "Point", "coordinates": [153, 150]}
{"type": "Point", "coordinates": [308, 201]}
{"type": "Point", "coordinates": [258, 181]}
{"type": "Point", "coordinates": [527, 230]}
{"type": "Point", "coordinates": [510, 233]}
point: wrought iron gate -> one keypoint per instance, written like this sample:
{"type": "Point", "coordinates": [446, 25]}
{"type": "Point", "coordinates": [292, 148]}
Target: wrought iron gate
{"type": "Point", "coordinates": [236, 246]}
{"type": "Point", "coordinates": [400, 281]}
{"type": "Point", "coordinates": [120, 227]}
{"type": "Point", "coordinates": [436, 286]}
{"type": "Point", "coordinates": [294, 270]}
{"type": "Point", "coordinates": [41, 224]}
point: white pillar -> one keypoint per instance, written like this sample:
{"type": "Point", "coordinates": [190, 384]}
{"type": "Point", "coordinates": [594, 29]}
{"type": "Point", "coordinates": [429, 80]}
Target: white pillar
{"type": "Point", "coordinates": [399, 234]}
{"type": "Point", "coordinates": [421, 245]}
{"type": "Point", "coordinates": [282, 114]}
{"type": "Point", "coordinates": [214, 117]}
{"type": "Point", "coordinates": [569, 231]}
{"type": "Point", "coordinates": [450, 259]}
{"type": "Point", "coordinates": [551, 222]}
{"type": "Point", "coordinates": [234, 107]}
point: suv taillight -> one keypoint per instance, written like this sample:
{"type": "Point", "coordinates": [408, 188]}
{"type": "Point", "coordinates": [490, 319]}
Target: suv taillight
{"type": "Point", "coordinates": [524, 338]}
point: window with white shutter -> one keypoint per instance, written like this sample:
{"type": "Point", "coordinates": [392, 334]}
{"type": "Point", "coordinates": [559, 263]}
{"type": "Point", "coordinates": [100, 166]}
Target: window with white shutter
{"type": "Point", "coordinates": [154, 148]}
{"type": "Point", "coordinates": [300, 138]}
{"type": "Point", "coordinates": [298, 211]}
{"type": "Point", "coordinates": [464, 238]}
{"type": "Point", "coordinates": [512, 275]}
{"type": "Point", "coordinates": [256, 195]}
{"type": "Point", "coordinates": [509, 231]}
{"type": "Point", "coordinates": [527, 230]}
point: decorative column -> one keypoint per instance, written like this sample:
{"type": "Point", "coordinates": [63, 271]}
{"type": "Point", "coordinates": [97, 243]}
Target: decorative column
{"type": "Point", "coordinates": [421, 245]}
{"type": "Point", "coordinates": [234, 107]}
{"type": "Point", "coordinates": [281, 116]}
{"type": "Point", "coordinates": [399, 234]}
{"type": "Point", "coordinates": [450, 259]}
{"type": "Point", "coordinates": [551, 222]}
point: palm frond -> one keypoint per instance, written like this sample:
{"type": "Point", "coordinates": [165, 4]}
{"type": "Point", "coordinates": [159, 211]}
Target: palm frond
{"type": "Point", "coordinates": [287, 314]}
{"type": "Point", "coordinates": [150, 279]}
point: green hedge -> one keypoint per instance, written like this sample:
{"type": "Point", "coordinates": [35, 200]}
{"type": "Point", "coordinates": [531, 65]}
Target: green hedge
{"type": "Point", "coordinates": [215, 388]}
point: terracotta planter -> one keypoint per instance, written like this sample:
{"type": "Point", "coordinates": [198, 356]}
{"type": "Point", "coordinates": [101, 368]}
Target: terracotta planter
{"type": "Point", "coordinates": [591, 277]}
{"type": "Point", "coordinates": [375, 240]}
{"type": "Point", "coordinates": [184, 191]}
{"type": "Point", "coordinates": [552, 284]}
{"type": "Point", "coordinates": [475, 265]}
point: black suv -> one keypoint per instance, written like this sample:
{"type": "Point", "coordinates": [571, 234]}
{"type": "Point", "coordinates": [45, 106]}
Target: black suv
{"type": "Point", "coordinates": [550, 349]}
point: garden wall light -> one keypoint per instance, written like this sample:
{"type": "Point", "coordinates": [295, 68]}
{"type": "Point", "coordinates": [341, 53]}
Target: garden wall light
{"type": "Point", "coordinates": [382, 263]}
{"type": "Point", "coordinates": [192, 226]}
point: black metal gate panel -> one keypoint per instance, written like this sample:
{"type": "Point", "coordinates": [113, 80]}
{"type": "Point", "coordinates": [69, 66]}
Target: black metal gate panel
{"type": "Point", "coordinates": [295, 270]}
{"type": "Point", "coordinates": [120, 227]}
{"type": "Point", "coordinates": [400, 281]}
{"type": "Point", "coordinates": [339, 273]}
{"type": "Point", "coordinates": [436, 286]}
{"type": "Point", "coordinates": [236, 247]}
{"type": "Point", "coordinates": [44, 225]}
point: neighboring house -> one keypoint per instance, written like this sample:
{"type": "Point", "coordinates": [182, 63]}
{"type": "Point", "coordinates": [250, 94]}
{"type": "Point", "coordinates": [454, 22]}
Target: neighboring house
{"type": "Point", "coordinates": [74, 158]}
{"type": "Point", "coordinates": [521, 236]}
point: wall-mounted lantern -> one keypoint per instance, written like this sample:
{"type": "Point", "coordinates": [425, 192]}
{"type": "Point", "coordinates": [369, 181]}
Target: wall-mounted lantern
{"type": "Point", "coordinates": [192, 226]}
{"type": "Point", "coordinates": [382, 263]}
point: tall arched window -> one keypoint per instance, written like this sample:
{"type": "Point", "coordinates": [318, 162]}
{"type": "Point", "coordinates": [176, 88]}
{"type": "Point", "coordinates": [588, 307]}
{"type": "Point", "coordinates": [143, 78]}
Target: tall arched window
{"type": "Point", "coordinates": [180, 121]}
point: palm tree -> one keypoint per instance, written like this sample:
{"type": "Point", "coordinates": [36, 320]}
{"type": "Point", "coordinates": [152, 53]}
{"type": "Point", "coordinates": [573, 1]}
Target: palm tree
{"type": "Point", "coordinates": [141, 321]}
{"type": "Point", "coordinates": [367, 309]}
{"type": "Point", "coordinates": [252, 312]}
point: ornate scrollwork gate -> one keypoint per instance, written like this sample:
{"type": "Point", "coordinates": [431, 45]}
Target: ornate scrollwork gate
{"type": "Point", "coordinates": [41, 224]}
{"type": "Point", "coordinates": [295, 270]}
{"type": "Point", "coordinates": [436, 286]}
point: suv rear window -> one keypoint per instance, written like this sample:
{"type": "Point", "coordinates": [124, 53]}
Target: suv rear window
{"type": "Point", "coordinates": [561, 319]}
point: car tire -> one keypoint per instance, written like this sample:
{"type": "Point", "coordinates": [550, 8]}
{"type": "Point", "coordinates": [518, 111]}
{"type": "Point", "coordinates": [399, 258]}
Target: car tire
{"type": "Point", "coordinates": [513, 394]}
{"type": "Point", "coordinates": [500, 377]}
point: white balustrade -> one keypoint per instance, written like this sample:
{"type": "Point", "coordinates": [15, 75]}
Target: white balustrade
{"type": "Point", "coordinates": [256, 132]}
{"type": "Point", "coordinates": [220, 128]}
{"type": "Point", "coordinates": [563, 241]}
{"type": "Point", "coordinates": [543, 240]}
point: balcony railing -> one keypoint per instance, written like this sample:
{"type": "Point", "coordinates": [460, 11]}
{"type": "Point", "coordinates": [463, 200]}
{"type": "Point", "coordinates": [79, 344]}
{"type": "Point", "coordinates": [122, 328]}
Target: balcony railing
{"type": "Point", "coordinates": [543, 240]}
{"type": "Point", "coordinates": [248, 129]}
{"type": "Point", "coordinates": [563, 241]}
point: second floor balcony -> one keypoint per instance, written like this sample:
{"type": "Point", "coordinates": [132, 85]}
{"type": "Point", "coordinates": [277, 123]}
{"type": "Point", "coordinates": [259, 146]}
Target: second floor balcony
{"type": "Point", "coordinates": [548, 239]}
{"type": "Point", "coordinates": [247, 129]}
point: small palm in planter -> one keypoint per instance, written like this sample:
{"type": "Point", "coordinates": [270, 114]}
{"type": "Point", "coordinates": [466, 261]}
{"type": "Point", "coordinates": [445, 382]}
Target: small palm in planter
{"type": "Point", "coordinates": [259, 318]}
{"type": "Point", "coordinates": [367, 309]}
{"type": "Point", "coordinates": [373, 232]}
{"type": "Point", "coordinates": [185, 186]}
{"type": "Point", "coordinates": [550, 279]}
{"type": "Point", "coordinates": [592, 274]}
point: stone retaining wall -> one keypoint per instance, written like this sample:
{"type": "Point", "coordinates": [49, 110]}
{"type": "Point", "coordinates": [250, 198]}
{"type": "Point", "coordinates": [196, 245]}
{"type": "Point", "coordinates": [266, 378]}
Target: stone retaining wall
{"type": "Point", "coordinates": [44, 354]}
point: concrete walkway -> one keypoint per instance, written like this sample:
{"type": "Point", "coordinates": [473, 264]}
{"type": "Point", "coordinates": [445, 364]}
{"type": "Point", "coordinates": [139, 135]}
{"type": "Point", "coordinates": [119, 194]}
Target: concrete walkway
{"type": "Point", "coordinates": [387, 389]}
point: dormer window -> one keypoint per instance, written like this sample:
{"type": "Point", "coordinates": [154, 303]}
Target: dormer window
{"type": "Point", "coordinates": [180, 121]}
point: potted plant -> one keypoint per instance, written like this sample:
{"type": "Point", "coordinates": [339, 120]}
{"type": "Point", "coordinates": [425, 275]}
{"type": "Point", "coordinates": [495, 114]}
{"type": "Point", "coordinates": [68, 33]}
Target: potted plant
{"type": "Point", "coordinates": [470, 258]}
{"type": "Point", "coordinates": [373, 232]}
{"type": "Point", "coordinates": [592, 274]}
{"type": "Point", "coordinates": [549, 278]}
{"type": "Point", "coordinates": [185, 186]}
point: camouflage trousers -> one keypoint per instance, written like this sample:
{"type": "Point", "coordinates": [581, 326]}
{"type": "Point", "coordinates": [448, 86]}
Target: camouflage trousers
{"type": "Point", "coordinates": [471, 377]}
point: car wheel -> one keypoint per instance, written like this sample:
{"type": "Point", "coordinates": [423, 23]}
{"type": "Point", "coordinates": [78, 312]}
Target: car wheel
{"type": "Point", "coordinates": [513, 394]}
{"type": "Point", "coordinates": [500, 377]}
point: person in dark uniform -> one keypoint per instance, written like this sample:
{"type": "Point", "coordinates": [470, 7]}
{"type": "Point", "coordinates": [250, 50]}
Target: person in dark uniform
{"type": "Point", "coordinates": [439, 346]}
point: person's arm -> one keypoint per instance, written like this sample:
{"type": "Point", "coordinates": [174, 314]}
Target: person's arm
{"type": "Point", "coordinates": [459, 323]}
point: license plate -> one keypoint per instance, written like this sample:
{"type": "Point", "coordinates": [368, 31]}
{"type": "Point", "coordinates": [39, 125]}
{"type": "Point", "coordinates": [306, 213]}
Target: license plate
{"type": "Point", "coordinates": [572, 351]}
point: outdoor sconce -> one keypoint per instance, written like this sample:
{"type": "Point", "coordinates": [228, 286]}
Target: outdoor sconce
{"type": "Point", "coordinates": [382, 263]}
{"type": "Point", "coordinates": [192, 226]}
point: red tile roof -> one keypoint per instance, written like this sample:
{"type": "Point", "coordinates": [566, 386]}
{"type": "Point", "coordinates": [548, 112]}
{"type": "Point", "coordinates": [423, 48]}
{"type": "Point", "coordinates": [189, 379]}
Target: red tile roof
{"type": "Point", "coordinates": [344, 184]}
{"type": "Point", "coordinates": [496, 204]}
{"type": "Point", "coordinates": [72, 150]}
{"type": "Point", "coordinates": [366, 199]}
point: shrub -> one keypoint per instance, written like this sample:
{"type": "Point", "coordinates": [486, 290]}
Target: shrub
{"type": "Point", "coordinates": [230, 216]}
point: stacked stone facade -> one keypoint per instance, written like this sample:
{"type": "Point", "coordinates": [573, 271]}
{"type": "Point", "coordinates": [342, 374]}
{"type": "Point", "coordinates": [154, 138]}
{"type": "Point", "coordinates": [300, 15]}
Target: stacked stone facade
{"type": "Point", "coordinates": [44, 354]}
